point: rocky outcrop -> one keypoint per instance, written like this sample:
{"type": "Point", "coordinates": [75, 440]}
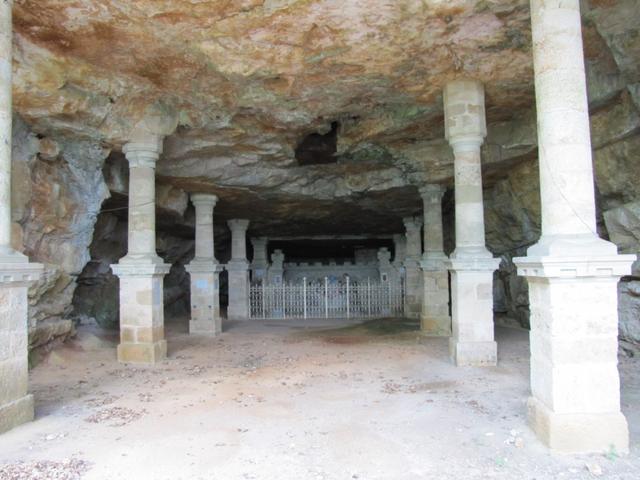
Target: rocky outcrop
{"type": "Point", "coordinates": [58, 189]}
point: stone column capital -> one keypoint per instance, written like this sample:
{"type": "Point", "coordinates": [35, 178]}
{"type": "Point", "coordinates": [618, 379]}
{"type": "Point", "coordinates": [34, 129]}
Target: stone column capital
{"type": "Point", "coordinates": [595, 266]}
{"type": "Point", "coordinates": [384, 256]}
{"type": "Point", "coordinates": [238, 224]}
{"type": "Point", "coordinates": [143, 152]}
{"type": "Point", "coordinates": [20, 273]}
{"type": "Point", "coordinates": [432, 193]}
{"type": "Point", "coordinates": [466, 143]}
{"type": "Point", "coordinates": [259, 241]}
{"type": "Point", "coordinates": [277, 258]}
{"type": "Point", "coordinates": [204, 199]}
{"type": "Point", "coordinates": [412, 223]}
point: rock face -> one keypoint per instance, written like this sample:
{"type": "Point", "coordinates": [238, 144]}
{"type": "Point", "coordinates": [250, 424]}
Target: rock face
{"type": "Point", "coordinates": [58, 190]}
{"type": "Point", "coordinates": [256, 81]}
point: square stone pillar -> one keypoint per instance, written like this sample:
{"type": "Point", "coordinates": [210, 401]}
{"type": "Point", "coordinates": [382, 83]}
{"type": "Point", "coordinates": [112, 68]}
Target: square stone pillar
{"type": "Point", "coordinates": [204, 271]}
{"type": "Point", "coordinates": [575, 387]}
{"type": "Point", "coordinates": [238, 268]}
{"type": "Point", "coordinates": [471, 264]}
{"type": "Point", "coordinates": [142, 337]}
{"type": "Point", "coordinates": [472, 341]}
{"type": "Point", "coordinates": [387, 271]}
{"type": "Point", "coordinates": [400, 248]}
{"type": "Point", "coordinates": [412, 270]}
{"type": "Point", "coordinates": [141, 271]}
{"type": "Point", "coordinates": [205, 298]}
{"type": "Point", "coordinates": [572, 274]}
{"type": "Point", "coordinates": [16, 404]}
{"type": "Point", "coordinates": [260, 262]}
{"type": "Point", "coordinates": [434, 318]}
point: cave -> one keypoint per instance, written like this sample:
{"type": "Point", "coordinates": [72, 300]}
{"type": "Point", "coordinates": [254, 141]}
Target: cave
{"type": "Point", "coordinates": [320, 239]}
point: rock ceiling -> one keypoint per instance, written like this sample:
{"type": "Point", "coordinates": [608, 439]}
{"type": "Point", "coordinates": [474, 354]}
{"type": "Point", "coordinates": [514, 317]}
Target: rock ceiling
{"type": "Point", "coordinates": [251, 78]}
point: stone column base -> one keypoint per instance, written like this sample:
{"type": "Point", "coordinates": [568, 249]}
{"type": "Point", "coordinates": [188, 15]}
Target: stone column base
{"type": "Point", "coordinates": [146, 353]}
{"type": "Point", "coordinates": [434, 319]}
{"type": "Point", "coordinates": [472, 342]}
{"type": "Point", "coordinates": [473, 354]}
{"type": "Point", "coordinates": [575, 385]}
{"type": "Point", "coordinates": [16, 405]}
{"type": "Point", "coordinates": [141, 312]}
{"type": "Point", "coordinates": [16, 413]}
{"type": "Point", "coordinates": [238, 308]}
{"type": "Point", "coordinates": [205, 300]}
{"type": "Point", "coordinates": [412, 291]}
{"type": "Point", "coordinates": [578, 432]}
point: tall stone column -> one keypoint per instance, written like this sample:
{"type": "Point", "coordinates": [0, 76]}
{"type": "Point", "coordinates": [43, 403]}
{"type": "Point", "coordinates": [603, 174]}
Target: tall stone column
{"type": "Point", "coordinates": [572, 273]}
{"type": "Point", "coordinates": [238, 268]}
{"type": "Point", "coordinates": [141, 271]}
{"type": "Point", "coordinates": [471, 264]}
{"type": "Point", "coordinates": [16, 404]}
{"type": "Point", "coordinates": [434, 319]}
{"type": "Point", "coordinates": [413, 273]}
{"type": "Point", "coordinates": [260, 262]}
{"type": "Point", "coordinates": [204, 271]}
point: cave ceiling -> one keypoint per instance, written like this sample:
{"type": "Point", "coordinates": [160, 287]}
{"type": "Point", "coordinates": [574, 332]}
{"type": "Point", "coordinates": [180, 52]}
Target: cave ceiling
{"type": "Point", "coordinates": [252, 79]}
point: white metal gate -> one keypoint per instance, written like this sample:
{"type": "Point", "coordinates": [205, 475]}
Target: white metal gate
{"type": "Point", "coordinates": [326, 299]}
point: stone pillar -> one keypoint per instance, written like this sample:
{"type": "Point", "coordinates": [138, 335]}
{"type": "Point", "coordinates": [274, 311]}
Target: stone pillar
{"type": "Point", "coordinates": [6, 111]}
{"type": "Point", "coordinates": [260, 261]}
{"type": "Point", "coordinates": [400, 247]}
{"type": "Point", "coordinates": [434, 319]}
{"type": "Point", "coordinates": [276, 269]}
{"type": "Point", "coordinates": [205, 271]}
{"type": "Point", "coordinates": [238, 268]}
{"type": "Point", "coordinates": [387, 271]}
{"type": "Point", "coordinates": [572, 273]}
{"type": "Point", "coordinates": [141, 271]}
{"type": "Point", "coordinates": [471, 264]}
{"type": "Point", "coordinates": [16, 404]}
{"type": "Point", "coordinates": [413, 273]}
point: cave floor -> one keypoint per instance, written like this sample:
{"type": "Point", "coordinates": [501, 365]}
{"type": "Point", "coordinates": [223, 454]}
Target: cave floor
{"type": "Point", "coordinates": [276, 400]}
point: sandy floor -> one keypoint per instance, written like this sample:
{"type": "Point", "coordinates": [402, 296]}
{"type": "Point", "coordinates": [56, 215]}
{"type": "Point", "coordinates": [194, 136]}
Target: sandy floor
{"type": "Point", "coordinates": [277, 401]}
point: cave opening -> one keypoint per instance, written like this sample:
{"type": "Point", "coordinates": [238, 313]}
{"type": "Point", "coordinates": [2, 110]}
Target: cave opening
{"type": "Point", "coordinates": [317, 148]}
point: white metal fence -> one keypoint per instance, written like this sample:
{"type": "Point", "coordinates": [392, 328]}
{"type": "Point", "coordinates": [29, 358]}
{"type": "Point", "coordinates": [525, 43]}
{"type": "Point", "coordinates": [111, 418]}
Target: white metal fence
{"type": "Point", "coordinates": [326, 299]}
